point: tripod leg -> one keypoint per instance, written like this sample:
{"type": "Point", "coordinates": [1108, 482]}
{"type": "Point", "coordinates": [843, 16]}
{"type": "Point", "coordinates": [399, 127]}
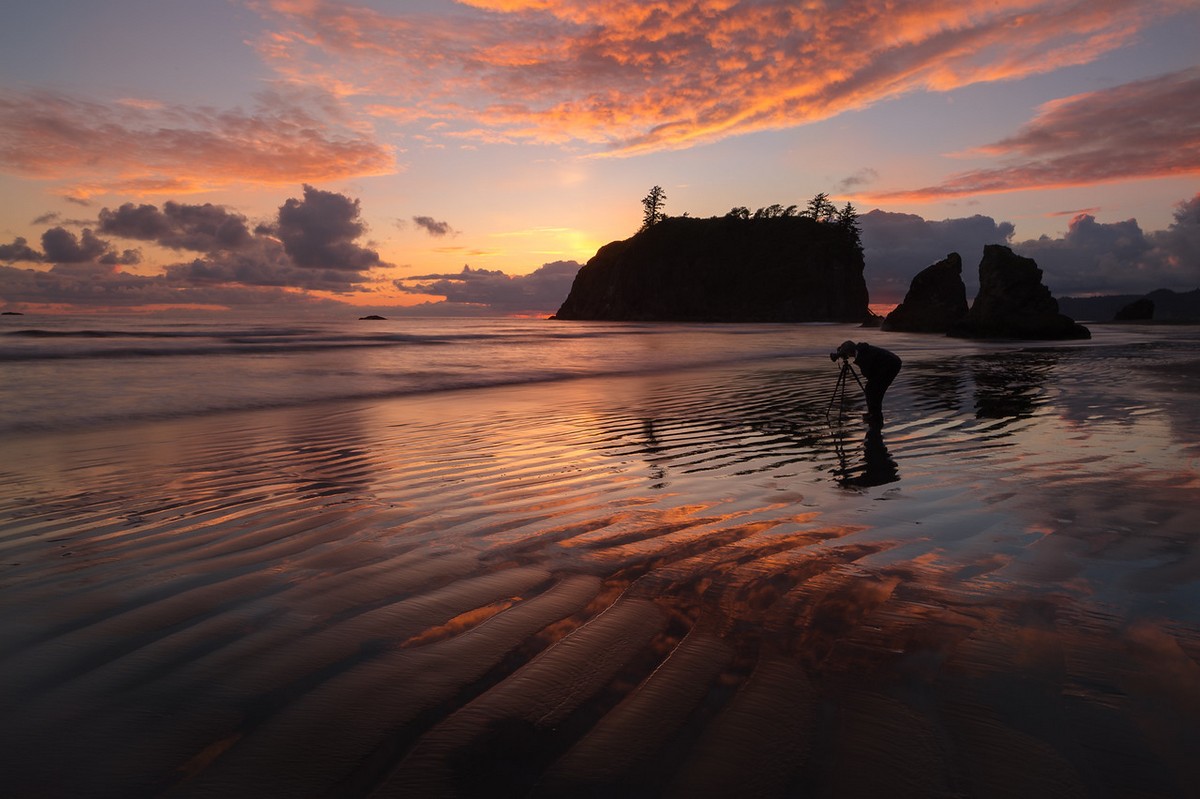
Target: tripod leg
{"type": "Point", "coordinates": [839, 386]}
{"type": "Point", "coordinates": [839, 390]}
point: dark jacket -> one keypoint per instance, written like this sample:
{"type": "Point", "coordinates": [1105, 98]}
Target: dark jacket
{"type": "Point", "coordinates": [876, 363]}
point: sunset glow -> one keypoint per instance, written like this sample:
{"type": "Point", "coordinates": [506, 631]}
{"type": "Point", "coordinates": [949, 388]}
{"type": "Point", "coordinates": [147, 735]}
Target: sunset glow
{"type": "Point", "coordinates": [508, 135]}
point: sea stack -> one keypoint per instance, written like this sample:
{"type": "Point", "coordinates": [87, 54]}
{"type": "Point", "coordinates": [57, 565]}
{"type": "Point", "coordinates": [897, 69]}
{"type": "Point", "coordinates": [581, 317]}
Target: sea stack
{"type": "Point", "coordinates": [725, 269]}
{"type": "Point", "coordinates": [936, 299]}
{"type": "Point", "coordinates": [1014, 303]}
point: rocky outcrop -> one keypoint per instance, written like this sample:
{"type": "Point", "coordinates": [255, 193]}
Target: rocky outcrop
{"type": "Point", "coordinates": [1140, 310]}
{"type": "Point", "coordinates": [725, 269]}
{"type": "Point", "coordinates": [936, 299]}
{"type": "Point", "coordinates": [1176, 306]}
{"type": "Point", "coordinates": [1014, 303]}
{"type": "Point", "coordinates": [1169, 306]}
{"type": "Point", "coordinates": [372, 318]}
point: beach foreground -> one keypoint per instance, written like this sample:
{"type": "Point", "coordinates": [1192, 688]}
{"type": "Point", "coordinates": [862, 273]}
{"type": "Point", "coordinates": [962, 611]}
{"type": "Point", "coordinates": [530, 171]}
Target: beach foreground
{"type": "Point", "coordinates": [690, 583]}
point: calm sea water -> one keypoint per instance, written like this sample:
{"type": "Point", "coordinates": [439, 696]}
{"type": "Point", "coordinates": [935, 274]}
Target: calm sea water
{"type": "Point", "coordinates": [674, 580]}
{"type": "Point", "coordinates": [65, 372]}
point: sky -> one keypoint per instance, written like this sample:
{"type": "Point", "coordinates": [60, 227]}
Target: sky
{"type": "Point", "coordinates": [467, 156]}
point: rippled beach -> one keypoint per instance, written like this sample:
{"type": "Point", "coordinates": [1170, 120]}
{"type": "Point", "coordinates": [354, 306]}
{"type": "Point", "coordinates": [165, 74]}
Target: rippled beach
{"type": "Point", "coordinates": [700, 580]}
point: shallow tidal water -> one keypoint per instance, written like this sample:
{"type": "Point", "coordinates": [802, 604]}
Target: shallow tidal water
{"type": "Point", "coordinates": [701, 579]}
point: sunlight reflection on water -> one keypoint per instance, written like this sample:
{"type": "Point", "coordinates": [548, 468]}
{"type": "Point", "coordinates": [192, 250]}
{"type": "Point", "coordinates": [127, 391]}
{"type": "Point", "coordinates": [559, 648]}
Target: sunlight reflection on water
{"type": "Point", "coordinates": [630, 576]}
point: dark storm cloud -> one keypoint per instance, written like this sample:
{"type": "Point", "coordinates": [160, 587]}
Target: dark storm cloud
{"type": "Point", "coordinates": [1092, 257]}
{"type": "Point", "coordinates": [19, 250]}
{"type": "Point", "coordinates": [202, 228]}
{"type": "Point", "coordinates": [432, 226]}
{"type": "Point", "coordinates": [310, 246]}
{"type": "Point", "coordinates": [263, 264]}
{"type": "Point", "coordinates": [1119, 257]}
{"type": "Point", "coordinates": [898, 246]}
{"type": "Point", "coordinates": [60, 246]}
{"type": "Point", "coordinates": [320, 231]}
{"type": "Point", "coordinates": [541, 291]}
{"type": "Point", "coordinates": [1181, 241]}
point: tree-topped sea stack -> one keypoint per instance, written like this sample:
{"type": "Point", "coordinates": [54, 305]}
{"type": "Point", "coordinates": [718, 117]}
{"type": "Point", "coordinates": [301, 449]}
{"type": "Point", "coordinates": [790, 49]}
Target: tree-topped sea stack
{"type": "Point", "coordinates": [725, 269]}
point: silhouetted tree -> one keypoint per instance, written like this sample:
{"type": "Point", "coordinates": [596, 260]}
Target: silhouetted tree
{"type": "Point", "coordinates": [820, 208]}
{"type": "Point", "coordinates": [847, 217]}
{"type": "Point", "coordinates": [739, 212]}
{"type": "Point", "coordinates": [654, 202]}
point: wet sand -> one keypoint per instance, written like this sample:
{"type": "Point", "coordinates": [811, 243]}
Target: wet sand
{"type": "Point", "coordinates": [690, 584]}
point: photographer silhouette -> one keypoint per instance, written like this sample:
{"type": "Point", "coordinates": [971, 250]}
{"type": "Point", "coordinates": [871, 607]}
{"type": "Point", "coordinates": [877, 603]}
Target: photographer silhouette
{"type": "Point", "coordinates": [879, 366]}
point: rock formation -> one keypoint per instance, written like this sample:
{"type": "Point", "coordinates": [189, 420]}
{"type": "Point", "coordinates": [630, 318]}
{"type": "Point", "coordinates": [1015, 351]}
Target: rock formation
{"type": "Point", "coordinates": [1140, 310]}
{"type": "Point", "coordinates": [936, 299]}
{"type": "Point", "coordinates": [1014, 303]}
{"type": "Point", "coordinates": [1173, 306]}
{"type": "Point", "coordinates": [1169, 306]}
{"type": "Point", "coordinates": [725, 269]}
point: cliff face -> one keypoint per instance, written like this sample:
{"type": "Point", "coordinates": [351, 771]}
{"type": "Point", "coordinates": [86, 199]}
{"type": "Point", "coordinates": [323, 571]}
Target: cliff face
{"type": "Point", "coordinates": [724, 269]}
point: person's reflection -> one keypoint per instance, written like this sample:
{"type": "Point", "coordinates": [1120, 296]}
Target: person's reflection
{"type": "Point", "coordinates": [877, 466]}
{"type": "Point", "coordinates": [654, 454]}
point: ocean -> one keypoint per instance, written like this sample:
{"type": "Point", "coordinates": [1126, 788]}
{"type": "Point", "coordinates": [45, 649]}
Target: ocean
{"type": "Point", "coordinates": [480, 557]}
{"type": "Point", "coordinates": [69, 372]}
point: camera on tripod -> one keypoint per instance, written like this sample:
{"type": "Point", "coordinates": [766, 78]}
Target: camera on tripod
{"type": "Point", "coordinates": [846, 351]}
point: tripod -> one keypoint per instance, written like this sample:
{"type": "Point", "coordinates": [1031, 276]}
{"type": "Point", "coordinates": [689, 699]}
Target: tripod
{"type": "Point", "coordinates": [839, 389]}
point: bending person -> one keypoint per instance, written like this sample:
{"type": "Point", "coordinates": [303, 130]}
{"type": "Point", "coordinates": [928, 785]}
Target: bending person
{"type": "Point", "coordinates": [880, 367]}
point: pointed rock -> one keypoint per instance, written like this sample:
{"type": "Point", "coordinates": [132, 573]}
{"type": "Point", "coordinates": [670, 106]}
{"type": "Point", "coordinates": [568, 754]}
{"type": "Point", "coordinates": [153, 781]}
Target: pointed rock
{"type": "Point", "coordinates": [936, 299]}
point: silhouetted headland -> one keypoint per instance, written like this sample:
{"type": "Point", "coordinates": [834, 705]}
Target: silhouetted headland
{"type": "Point", "coordinates": [725, 269]}
{"type": "Point", "coordinates": [1166, 306]}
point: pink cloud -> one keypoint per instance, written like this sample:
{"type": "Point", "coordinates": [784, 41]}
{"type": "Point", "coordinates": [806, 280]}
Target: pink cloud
{"type": "Point", "coordinates": [1144, 129]}
{"type": "Point", "coordinates": [638, 76]}
{"type": "Point", "coordinates": [147, 149]}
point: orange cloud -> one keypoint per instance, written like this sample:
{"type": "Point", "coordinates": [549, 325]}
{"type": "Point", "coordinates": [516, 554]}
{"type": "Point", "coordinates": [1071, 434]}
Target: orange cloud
{"type": "Point", "coordinates": [143, 148]}
{"type": "Point", "coordinates": [641, 76]}
{"type": "Point", "coordinates": [1144, 129]}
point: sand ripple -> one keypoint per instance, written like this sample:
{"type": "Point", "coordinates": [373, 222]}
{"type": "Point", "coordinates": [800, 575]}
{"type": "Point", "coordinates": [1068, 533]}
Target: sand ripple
{"type": "Point", "coordinates": [688, 584]}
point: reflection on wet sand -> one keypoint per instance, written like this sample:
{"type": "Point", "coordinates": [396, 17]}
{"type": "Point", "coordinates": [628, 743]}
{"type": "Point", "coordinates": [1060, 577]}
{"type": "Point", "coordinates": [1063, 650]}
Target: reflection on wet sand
{"type": "Point", "coordinates": [1010, 387]}
{"type": "Point", "coordinates": [875, 466]}
{"type": "Point", "coordinates": [652, 586]}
